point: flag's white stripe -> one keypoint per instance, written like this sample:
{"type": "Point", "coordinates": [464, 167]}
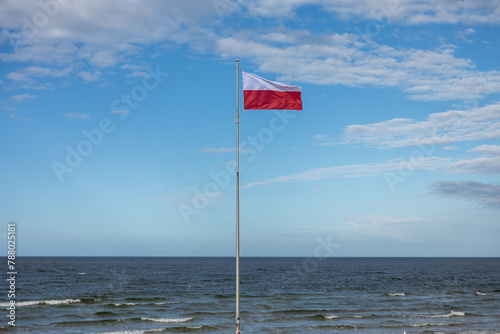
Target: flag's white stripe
{"type": "Point", "coordinates": [254, 82]}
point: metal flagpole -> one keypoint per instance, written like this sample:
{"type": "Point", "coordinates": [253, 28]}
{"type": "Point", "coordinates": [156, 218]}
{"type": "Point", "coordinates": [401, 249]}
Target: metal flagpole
{"type": "Point", "coordinates": [237, 119]}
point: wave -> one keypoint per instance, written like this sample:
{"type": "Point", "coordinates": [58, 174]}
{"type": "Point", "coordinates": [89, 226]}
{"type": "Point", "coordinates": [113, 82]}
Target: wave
{"type": "Point", "coordinates": [481, 293]}
{"type": "Point", "coordinates": [88, 322]}
{"type": "Point", "coordinates": [188, 329]}
{"type": "Point", "coordinates": [139, 331]}
{"type": "Point", "coordinates": [298, 311]}
{"type": "Point", "coordinates": [331, 317]}
{"type": "Point", "coordinates": [325, 317]}
{"type": "Point", "coordinates": [367, 316]}
{"type": "Point", "coordinates": [425, 324]}
{"type": "Point", "coordinates": [44, 302]}
{"type": "Point", "coordinates": [105, 314]}
{"type": "Point", "coordinates": [130, 303]}
{"type": "Point", "coordinates": [120, 320]}
{"type": "Point", "coordinates": [220, 296]}
{"type": "Point", "coordinates": [91, 300]}
{"type": "Point", "coordinates": [167, 320]}
{"type": "Point", "coordinates": [355, 327]}
{"type": "Point", "coordinates": [142, 299]}
{"type": "Point", "coordinates": [122, 304]}
{"type": "Point", "coordinates": [450, 314]}
{"type": "Point", "coordinates": [128, 332]}
{"type": "Point", "coordinates": [397, 294]}
{"type": "Point", "coordinates": [163, 303]}
{"type": "Point", "coordinates": [447, 315]}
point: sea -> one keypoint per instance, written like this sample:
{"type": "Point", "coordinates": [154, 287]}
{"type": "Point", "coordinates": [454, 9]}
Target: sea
{"type": "Point", "coordinates": [136, 295]}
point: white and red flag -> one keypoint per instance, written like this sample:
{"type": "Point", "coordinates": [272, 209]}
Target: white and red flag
{"type": "Point", "coordinates": [260, 93]}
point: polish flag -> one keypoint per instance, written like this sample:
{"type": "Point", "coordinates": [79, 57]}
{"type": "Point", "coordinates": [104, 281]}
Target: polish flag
{"type": "Point", "coordinates": [260, 93]}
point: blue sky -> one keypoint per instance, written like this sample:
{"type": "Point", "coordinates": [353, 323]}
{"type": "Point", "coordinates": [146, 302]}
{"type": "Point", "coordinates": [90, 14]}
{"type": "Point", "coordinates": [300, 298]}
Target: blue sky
{"type": "Point", "coordinates": [118, 135]}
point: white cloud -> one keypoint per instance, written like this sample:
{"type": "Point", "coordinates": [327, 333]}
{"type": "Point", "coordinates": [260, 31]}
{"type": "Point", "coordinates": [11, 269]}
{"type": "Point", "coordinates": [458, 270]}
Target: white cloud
{"type": "Point", "coordinates": [133, 67]}
{"type": "Point", "coordinates": [48, 53]}
{"type": "Point", "coordinates": [41, 72]}
{"type": "Point", "coordinates": [138, 74]}
{"type": "Point", "coordinates": [324, 140]}
{"type": "Point", "coordinates": [488, 149]}
{"type": "Point", "coordinates": [94, 35]}
{"type": "Point", "coordinates": [353, 60]}
{"type": "Point", "coordinates": [22, 97]}
{"type": "Point", "coordinates": [76, 115]}
{"type": "Point", "coordinates": [273, 8]}
{"type": "Point", "coordinates": [438, 128]}
{"type": "Point", "coordinates": [16, 76]}
{"type": "Point", "coordinates": [101, 34]}
{"type": "Point", "coordinates": [29, 77]}
{"type": "Point", "coordinates": [465, 34]}
{"type": "Point", "coordinates": [483, 165]}
{"type": "Point", "coordinates": [88, 76]}
{"type": "Point", "coordinates": [408, 12]}
{"type": "Point", "coordinates": [121, 113]}
{"type": "Point", "coordinates": [360, 170]}
{"type": "Point", "coordinates": [480, 165]}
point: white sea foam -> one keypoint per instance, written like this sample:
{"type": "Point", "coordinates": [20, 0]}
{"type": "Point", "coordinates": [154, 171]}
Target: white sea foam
{"type": "Point", "coordinates": [43, 302]}
{"type": "Point", "coordinates": [446, 315]}
{"type": "Point", "coordinates": [425, 324]}
{"type": "Point", "coordinates": [169, 320]}
{"type": "Point", "coordinates": [141, 331]}
{"type": "Point", "coordinates": [480, 293]}
{"type": "Point", "coordinates": [126, 304]}
{"type": "Point", "coordinates": [59, 302]}
{"type": "Point", "coordinates": [397, 294]}
{"type": "Point", "coordinates": [138, 331]}
{"type": "Point", "coordinates": [330, 317]}
{"type": "Point", "coordinates": [452, 314]}
{"type": "Point", "coordinates": [363, 316]}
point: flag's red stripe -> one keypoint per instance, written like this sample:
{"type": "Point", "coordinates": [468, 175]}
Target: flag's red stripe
{"type": "Point", "coordinates": [272, 99]}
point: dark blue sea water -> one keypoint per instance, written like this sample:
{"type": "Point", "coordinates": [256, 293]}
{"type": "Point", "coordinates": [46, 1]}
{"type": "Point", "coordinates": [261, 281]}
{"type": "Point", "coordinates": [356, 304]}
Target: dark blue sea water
{"type": "Point", "coordinates": [278, 295]}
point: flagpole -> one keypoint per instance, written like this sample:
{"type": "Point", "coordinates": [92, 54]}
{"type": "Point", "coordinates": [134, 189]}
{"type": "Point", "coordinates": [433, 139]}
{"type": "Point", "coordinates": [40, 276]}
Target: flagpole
{"type": "Point", "coordinates": [237, 119]}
